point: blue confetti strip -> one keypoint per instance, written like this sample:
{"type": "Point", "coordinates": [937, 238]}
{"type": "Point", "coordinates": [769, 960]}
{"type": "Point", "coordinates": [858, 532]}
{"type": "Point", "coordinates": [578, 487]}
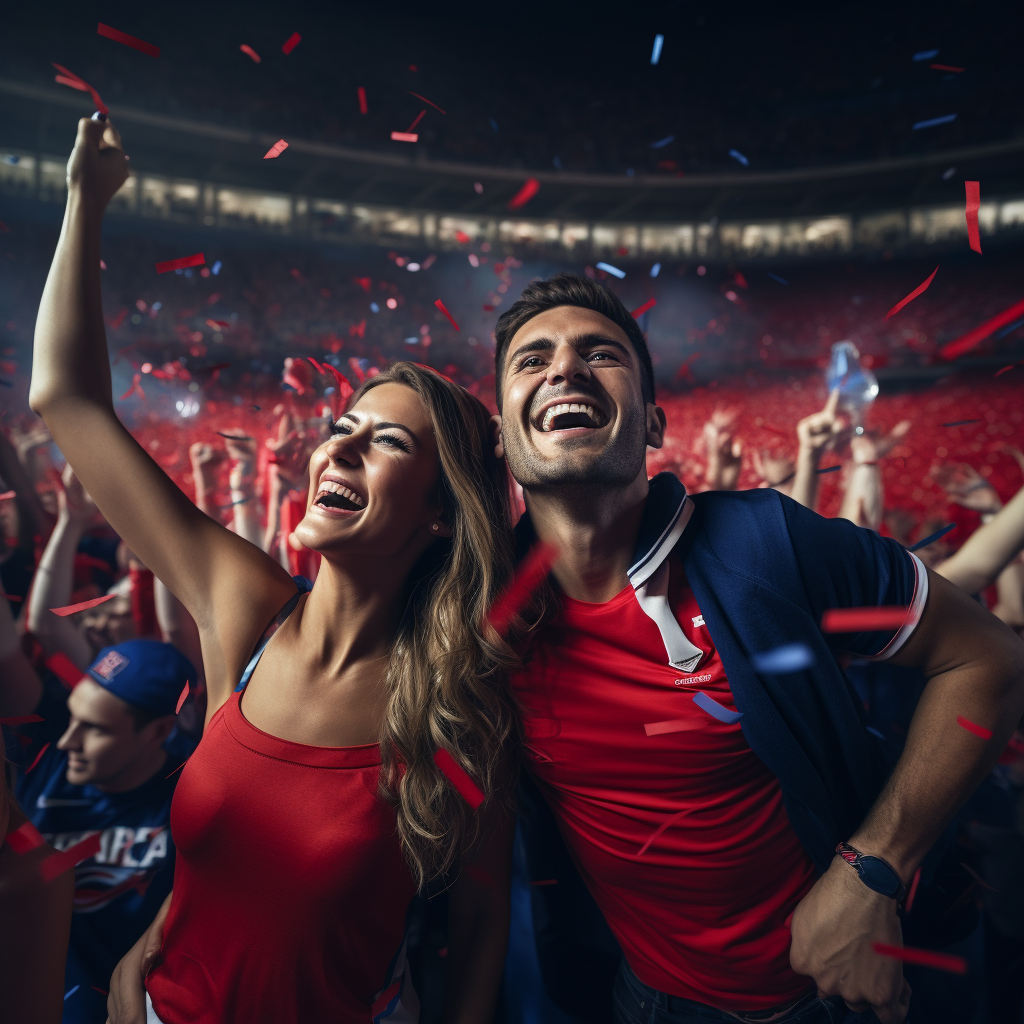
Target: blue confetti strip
{"type": "Point", "coordinates": [71, 993]}
{"type": "Point", "coordinates": [215, 269]}
{"type": "Point", "coordinates": [737, 155]}
{"type": "Point", "coordinates": [875, 732]}
{"type": "Point", "coordinates": [659, 42]}
{"type": "Point", "coordinates": [948, 173]}
{"type": "Point", "coordinates": [662, 143]}
{"type": "Point", "coordinates": [934, 537]}
{"type": "Point", "coordinates": [775, 277]}
{"type": "Point", "coordinates": [609, 269]}
{"type": "Point", "coordinates": [932, 122]}
{"type": "Point", "coordinates": [374, 307]}
{"type": "Point", "coordinates": [655, 270]}
{"type": "Point", "coordinates": [790, 658]}
{"type": "Point", "coordinates": [1009, 330]}
{"type": "Point", "coordinates": [715, 710]}
{"type": "Point", "coordinates": [926, 54]}
{"type": "Point", "coordinates": [830, 469]}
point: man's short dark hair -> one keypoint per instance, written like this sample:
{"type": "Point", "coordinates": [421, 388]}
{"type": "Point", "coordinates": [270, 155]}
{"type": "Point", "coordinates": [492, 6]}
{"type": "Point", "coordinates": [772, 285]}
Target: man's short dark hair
{"type": "Point", "coordinates": [142, 716]}
{"type": "Point", "coordinates": [570, 290]}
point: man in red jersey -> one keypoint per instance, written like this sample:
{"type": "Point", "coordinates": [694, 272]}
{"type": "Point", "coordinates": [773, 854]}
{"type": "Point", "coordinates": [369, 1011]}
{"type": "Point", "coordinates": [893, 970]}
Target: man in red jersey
{"type": "Point", "coordinates": [728, 811]}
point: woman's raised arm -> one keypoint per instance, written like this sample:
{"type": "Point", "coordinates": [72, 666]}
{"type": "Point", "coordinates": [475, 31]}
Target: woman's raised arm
{"type": "Point", "coordinates": [203, 564]}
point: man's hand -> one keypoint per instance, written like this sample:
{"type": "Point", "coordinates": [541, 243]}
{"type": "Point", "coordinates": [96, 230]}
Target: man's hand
{"type": "Point", "coordinates": [725, 454]}
{"type": "Point", "coordinates": [126, 1003]}
{"type": "Point", "coordinates": [834, 927]}
{"type": "Point", "coordinates": [964, 485]}
{"type": "Point", "coordinates": [821, 429]}
{"type": "Point", "coordinates": [73, 502]}
{"type": "Point", "coordinates": [774, 470]}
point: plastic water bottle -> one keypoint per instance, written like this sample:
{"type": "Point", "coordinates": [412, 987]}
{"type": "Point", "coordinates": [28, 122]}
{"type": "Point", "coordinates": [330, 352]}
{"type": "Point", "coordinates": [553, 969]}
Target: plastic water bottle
{"type": "Point", "coordinates": [858, 386]}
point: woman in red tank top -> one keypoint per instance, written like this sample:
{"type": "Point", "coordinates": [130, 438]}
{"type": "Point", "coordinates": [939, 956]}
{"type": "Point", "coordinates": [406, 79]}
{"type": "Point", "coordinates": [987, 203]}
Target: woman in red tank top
{"type": "Point", "coordinates": [313, 807]}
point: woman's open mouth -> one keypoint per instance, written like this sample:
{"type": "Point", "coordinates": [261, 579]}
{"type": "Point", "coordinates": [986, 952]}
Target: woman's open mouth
{"type": "Point", "coordinates": [335, 497]}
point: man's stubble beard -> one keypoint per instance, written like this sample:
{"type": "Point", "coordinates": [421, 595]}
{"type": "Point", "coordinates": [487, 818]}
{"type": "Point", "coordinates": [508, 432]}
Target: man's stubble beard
{"type": "Point", "coordinates": [615, 465]}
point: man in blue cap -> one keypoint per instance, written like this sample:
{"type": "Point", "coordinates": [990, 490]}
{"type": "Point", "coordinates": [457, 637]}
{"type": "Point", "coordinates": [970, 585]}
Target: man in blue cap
{"type": "Point", "coordinates": [105, 759]}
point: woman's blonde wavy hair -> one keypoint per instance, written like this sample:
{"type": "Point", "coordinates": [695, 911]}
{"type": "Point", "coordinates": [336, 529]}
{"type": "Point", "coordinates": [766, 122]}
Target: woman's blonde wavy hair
{"type": "Point", "coordinates": [448, 676]}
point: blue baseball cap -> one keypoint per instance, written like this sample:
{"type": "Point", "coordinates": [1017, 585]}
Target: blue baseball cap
{"type": "Point", "coordinates": [147, 673]}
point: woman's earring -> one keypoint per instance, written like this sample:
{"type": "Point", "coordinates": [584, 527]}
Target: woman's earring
{"type": "Point", "coordinates": [435, 527]}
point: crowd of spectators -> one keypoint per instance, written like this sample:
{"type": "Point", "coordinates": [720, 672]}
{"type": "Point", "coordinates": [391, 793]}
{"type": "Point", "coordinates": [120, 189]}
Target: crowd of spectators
{"type": "Point", "coordinates": [783, 92]}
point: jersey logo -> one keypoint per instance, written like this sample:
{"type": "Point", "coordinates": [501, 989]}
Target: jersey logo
{"type": "Point", "coordinates": [698, 620]}
{"type": "Point", "coordinates": [110, 664]}
{"type": "Point", "coordinates": [706, 678]}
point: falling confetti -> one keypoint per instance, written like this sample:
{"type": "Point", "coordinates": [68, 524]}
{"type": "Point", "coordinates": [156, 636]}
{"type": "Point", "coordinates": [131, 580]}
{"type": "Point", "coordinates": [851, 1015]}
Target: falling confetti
{"type": "Point", "coordinates": [58, 863]}
{"type": "Point", "coordinates": [775, 277]}
{"type": "Point", "coordinates": [122, 37]}
{"type": "Point", "coordinates": [960, 423]}
{"type": "Point", "coordinates": [979, 730]}
{"type": "Point", "coordinates": [71, 992]}
{"type": "Point", "coordinates": [789, 658]}
{"type": "Point", "coordinates": [180, 264]}
{"type": "Point", "coordinates": [441, 306]}
{"type": "Point", "coordinates": [923, 957]}
{"type": "Point", "coordinates": [737, 155]}
{"type": "Point", "coordinates": [38, 758]}
{"type": "Point", "coordinates": [25, 839]}
{"type": "Point", "coordinates": [21, 720]}
{"type": "Point", "coordinates": [659, 42]}
{"type": "Point", "coordinates": [946, 67]}
{"type": "Point", "coordinates": [908, 905]}
{"type": "Point", "coordinates": [826, 469]}
{"type": "Point", "coordinates": [249, 51]}
{"type": "Point", "coordinates": [857, 620]}
{"type": "Point", "coordinates": [72, 609]}
{"type": "Point", "coordinates": [529, 575]}
{"type": "Point", "coordinates": [181, 698]}
{"type": "Point", "coordinates": [973, 190]}
{"type": "Point", "coordinates": [361, 95]}
{"type": "Point", "coordinates": [70, 78]}
{"type": "Point", "coordinates": [467, 788]}
{"type": "Point", "coordinates": [275, 150]}
{"type": "Point", "coordinates": [715, 710]}
{"type": "Point", "coordinates": [609, 269]}
{"type": "Point", "coordinates": [64, 669]}
{"type": "Point", "coordinates": [932, 122]}
{"type": "Point", "coordinates": [925, 55]}
{"type": "Point", "coordinates": [972, 338]}
{"type": "Point", "coordinates": [640, 310]}
{"type": "Point", "coordinates": [919, 290]}
{"type": "Point", "coordinates": [529, 189]}
{"type": "Point", "coordinates": [425, 100]}
{"type": "Point", "coordinates": [404, 137]}
{"type": "Point", "coordinates": [291, 42]}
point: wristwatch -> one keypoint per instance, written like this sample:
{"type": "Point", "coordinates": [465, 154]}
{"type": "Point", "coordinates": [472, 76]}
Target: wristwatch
{"type": "Point", "coordinates": [874, 872]}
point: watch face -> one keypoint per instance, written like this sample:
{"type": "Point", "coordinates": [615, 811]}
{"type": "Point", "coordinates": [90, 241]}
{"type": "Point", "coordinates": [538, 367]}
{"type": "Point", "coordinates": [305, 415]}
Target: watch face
{"type": "Point", "coordinates": [879, 876]}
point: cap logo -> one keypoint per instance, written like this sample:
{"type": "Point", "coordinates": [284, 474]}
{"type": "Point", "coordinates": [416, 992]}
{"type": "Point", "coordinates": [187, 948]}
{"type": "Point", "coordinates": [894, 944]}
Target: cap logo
{"type": "Point", "coordinates": [110, 664]}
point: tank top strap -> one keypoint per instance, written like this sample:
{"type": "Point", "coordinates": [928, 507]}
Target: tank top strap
{"type": "Point", "coordinates": [305, 586]}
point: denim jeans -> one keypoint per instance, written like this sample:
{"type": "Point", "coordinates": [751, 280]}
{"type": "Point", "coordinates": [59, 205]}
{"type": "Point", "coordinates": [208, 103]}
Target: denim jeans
{"type": "Point", "coordinates": [637, 1003]}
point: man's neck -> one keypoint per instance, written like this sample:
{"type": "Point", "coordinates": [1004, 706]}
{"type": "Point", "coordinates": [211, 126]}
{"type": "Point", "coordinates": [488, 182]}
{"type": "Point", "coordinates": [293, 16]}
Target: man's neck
{"type": "Point", "coordinates": [595, 529]}
{"type": "Point", "coordinates": [138, 773]}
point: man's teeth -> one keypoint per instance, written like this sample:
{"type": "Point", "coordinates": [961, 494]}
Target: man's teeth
{"type": "Point", "coordinates": [560, 410]}
{"type": "Point", "coordinates": [330, 487]}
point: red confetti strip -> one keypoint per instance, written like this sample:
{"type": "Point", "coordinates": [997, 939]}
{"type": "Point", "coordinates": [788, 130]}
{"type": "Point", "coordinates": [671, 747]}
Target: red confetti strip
{"type": "Point", "coordinates": [529, 575]}
{"type": "Point", "coordinates": [404, 137]}
{"type": "Point", "coordinates": [275, 150]}
{"type": "Point", "coordinates": [64, 668]}
{"type": "Point", "coordinates": [71, 609]}
{"type": "Point", "coordinates": [946, 67]}
{"type": "Point", "coordinates": [344, 388]}
{"type": "Point", "coordinates": [186, 261]}
{"type": "Point", "coordinates": [58, 863]}
{"type": "Point", "coordinates": [361, 93]}
{"type": "Point", "coordinates": [857, 620]}
{"type": "Point", "coordinates": [425, 100]}
{"type": "Point", "coordinates": [122, 37]}
{"type": "Point", "coordinates": [7, 494]}
{"type": "Point", "coordinates": [249, 51]}
{"type": "Point", "coordinates": [21, 720]}
{"type": "Point", "coordinates": [291, 42]}
{"type": "Point", "coordinates": [102, 991]}
{"type": "Point", "coordinates": [973, 189]}
{"type": "Point", "coordinates": [546, 881]}
{"type": "Point", "coordinates": [419, 117]}
{"type": "Point", "coordinates": [441, 306]}
{"type": "Point", "coordinates": [913, 891]}
{"type": "Point", "coordinates": [178, 769]}
{"type": "Point", "coordinates": [25, 839]}
{"type": "Point", "coordinates": [640, 310]}
{"type": "Point", "coordinates": [467, 788]}
{"type": "Point", "coordinates": [660, 728]}
{"type": "Point", "coordinates": [316, 365]}
{"type": "Point", "coordinates": [181, 698]}
{"type": "Point", "coordinates": [70, 78]}
{"type": "Point", "coordinates": [972, 338]}
{"type": "Point", "coordinates": [1005, 369]}
{"type": "Point", "coordinates": [530, 188]}
{"type": "Point", "coordinates": [923, 957]}
{"type": "Point", "coordinates": [920, 289]}
{"type": "Point", "coordinates": [135, 387]}
{"type": "Point", "coordinates": [979, 730]}
{"type": "Point", "coordinates": [661, 828]}
{"type": "Point", "coordinates": [42, 750]}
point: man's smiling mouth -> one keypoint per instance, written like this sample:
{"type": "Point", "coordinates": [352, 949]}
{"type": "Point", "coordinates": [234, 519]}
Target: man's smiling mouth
{"type": "Point", "coordinates": [570, 415]}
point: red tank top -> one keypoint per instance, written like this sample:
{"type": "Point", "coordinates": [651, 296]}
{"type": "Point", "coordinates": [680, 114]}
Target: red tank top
{"type": "Point", "coordinates": [290, 890]}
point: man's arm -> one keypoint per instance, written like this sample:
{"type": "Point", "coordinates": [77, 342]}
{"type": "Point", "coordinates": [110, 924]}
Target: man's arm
{"type": "Point", "coordinates": [975, 669]}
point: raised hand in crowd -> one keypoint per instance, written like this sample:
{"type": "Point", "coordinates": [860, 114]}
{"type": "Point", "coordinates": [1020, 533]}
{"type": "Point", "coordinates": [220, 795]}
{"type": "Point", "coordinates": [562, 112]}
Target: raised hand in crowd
{"type": "Point", "coordinates": [775, 471]}
{"type": "Point", "coordinates": [863, 502]}
{"type": "Point", "coordinates": [964, 485]}
{"type": "Point", "coordinates": [816, 434]}
{"type": "Point", "coordinates": [724, 452]}
{"type": "Point", "coordinates": [205, 461]}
